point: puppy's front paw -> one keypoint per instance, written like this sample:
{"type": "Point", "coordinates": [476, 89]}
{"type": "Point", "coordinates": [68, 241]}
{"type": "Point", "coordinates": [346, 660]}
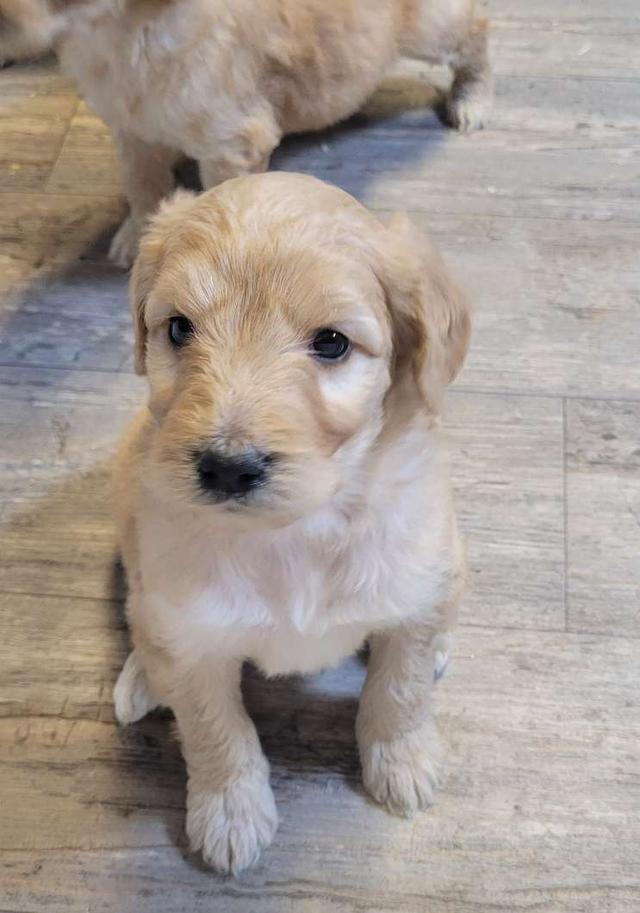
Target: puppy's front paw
{"type": "Point", "coordinates": [233, 825]}
{"type": "Point", "coordinates": [124, 246]}
{"type": "Point", "coordinates": [468, 107]}
{"type": "Point", "coordinates": [132, 698]}
{"type": "Point", "coordinates": [402, 774]}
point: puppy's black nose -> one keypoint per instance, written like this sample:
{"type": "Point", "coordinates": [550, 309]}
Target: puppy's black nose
{"type": "Point", "coordinates": [232, 476]}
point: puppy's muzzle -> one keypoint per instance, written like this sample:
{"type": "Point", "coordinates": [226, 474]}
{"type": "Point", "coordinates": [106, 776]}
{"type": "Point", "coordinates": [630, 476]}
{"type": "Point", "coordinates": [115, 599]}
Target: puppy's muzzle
{"type": "Point", "coordinates": [227, 477]}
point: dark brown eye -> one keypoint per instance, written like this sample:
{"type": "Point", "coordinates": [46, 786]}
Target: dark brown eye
{"type": "Point", "coordinates": [330, 344]}
{"type": "Point", "coordinates": [180, 331]}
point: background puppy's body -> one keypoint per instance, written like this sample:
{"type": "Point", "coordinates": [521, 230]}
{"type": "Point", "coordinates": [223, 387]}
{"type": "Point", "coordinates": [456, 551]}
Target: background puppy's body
{"type": "Point", "coordinates": [222, 82]}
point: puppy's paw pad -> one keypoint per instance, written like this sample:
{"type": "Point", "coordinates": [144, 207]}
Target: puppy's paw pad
{"type": "Point", "coordinates": [132, 698]}
{"type": "Point", "coordinates": [124, 246]}
{"type": "Point", "coordinates": [468, 110]}
{"type": "Point", "coordinates": [403, 774]}
{"type": "Point", "coordinates": [232, 826]}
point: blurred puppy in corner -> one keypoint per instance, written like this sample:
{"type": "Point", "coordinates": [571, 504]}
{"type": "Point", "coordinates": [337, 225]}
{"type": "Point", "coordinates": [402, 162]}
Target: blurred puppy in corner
{"type": "Point", "coordinates": [222, 82]}
{"type": "Point", "coordinates": [285, 495]}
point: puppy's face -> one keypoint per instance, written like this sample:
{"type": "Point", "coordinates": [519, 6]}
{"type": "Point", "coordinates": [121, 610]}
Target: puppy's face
{"type": "Point", "coordinates": [271, 345]}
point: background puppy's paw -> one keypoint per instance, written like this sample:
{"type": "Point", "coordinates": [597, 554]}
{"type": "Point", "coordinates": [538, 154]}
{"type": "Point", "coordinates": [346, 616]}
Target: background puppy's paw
{"type": "Point", "coordinates": [132, 698]}
{"type": "Point", "coordinates": [442, 645]}
{"type": "Point", "coordinates": [124, 246]}
{"type": "Point", "coordinates": [468, 108]}
{"type": "Point", "coordinates": [232, 826]}
{"type": "Point", "coordinates": [403, 774]}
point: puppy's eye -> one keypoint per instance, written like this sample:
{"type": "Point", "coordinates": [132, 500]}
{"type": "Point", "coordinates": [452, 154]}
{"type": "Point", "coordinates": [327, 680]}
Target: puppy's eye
{"type": "Point", "coordinates": [180, 331]}
{"type": "Point", "coordinates": [330, 344]}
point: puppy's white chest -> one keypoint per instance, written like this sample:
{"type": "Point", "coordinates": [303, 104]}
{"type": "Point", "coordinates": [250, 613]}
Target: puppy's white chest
{"type": "Point", "coordinates": [286, 619]}
{"type": "Point", "coordinates": [289, 602]}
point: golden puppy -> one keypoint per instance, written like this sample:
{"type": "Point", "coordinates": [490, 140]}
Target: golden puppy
{"type": "Point", "coordinates": [223, 81]}
{"type": "Point", "coordinates": [284, 496]}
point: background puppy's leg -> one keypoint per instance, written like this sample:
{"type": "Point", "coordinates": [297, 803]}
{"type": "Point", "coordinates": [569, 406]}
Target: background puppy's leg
{"type": "Point", "coordinates": [231, 812]}
{"type": "Point", "coordinates": [132, 698]}
{"type": "Point", "coordinates": [450, 31]}
{"type": "Point", "coordinates": [471, 94]}
{"type": "Point", "coordinates": [248, 152]}
{"type": "Point", "coordinates": [147, 179]}
{"type": "Point", "coordinates": [399, 746]}
{"type": "Point", "coordinates": [214, 171]}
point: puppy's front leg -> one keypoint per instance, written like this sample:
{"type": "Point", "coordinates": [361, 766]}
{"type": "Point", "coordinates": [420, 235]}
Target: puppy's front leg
{"type": "Point", "coordinates": [399, 748]}
{"type": "Point", "coordinates": [147, 179]}
{"type": "Point", "coordinates": [231, 812]}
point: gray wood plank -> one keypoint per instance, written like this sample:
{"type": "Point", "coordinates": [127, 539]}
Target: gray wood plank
{"type": "Point", "coordinates": [537, 787]}
{"type": "Point", "coordinates": [536, 176]}
{"type": "Point", "coordinates": [56, 529]}
{"type": "Point", "coordinates": [556, 303]}
{"type": "Point", "coordinates": [60, 657]}
{"type": "Point", "coordinates": [508, 478]}
{"type": "Point", "coordinates": [548, 47]}
{"type": "Point", "coordinates": [593, 15]}
{"type": "Point", "coordinates": [79, 319]}
{"type": "Point", "coordinates": [60, 388]}
{"type": "Point", "coordinates": [603, 515]}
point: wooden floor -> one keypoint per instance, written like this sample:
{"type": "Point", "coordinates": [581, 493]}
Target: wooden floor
{"type": "Point", "coordinates": [540, 217]}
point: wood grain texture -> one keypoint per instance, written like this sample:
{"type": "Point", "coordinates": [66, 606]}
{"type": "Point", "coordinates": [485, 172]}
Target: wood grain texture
{"type": "Point", "coordinates": [603, 504]}
{"type": "Point", "coordinates": [569, 176]}
{"type": "Point", "coordinates": [569, 48]}
{"type": "Point", "coordinates": [549, 318]}
{"type": "Point", "coordinates": [87, 162]}
{"type": "Point", "coordinates": [76, 319]}
{"type": "Point", "coordinates": [42, 236]}
{"type": "Point", "coordinates": [537, 785]}
{"type": "Point", "coordinates": [508, 477]}
{"type": "Point", "coordinates": [35, 110]}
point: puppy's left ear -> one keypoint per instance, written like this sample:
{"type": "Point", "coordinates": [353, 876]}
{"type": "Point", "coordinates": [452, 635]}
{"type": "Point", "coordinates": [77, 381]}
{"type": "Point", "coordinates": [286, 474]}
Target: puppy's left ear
{"type": "Point", "coordinates": [430, 314]}
{"type": "Point", "coordinates": [153, 247]}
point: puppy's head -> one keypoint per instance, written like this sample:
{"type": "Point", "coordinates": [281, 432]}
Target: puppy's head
{"type": "Point", "coordinates": [276, 319]}
{"type": "Point", "coordinates": [27, 28]}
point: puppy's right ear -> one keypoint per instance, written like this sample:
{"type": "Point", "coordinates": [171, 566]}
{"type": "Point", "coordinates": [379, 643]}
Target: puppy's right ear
{"type": "Point", "coordinates": [153, 246]}
{"type": "Point", "coordinates": [430, 314]}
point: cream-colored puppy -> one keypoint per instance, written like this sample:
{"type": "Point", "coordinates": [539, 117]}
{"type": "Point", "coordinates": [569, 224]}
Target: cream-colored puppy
{"type": "Point", "coordinates": [223, 81]}
{"type": "Point", "coordinates": [285, 496]}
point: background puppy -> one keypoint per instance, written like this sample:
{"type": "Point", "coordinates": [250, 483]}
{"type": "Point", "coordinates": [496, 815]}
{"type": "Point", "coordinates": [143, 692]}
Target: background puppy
{"type": "Point", "coordinates": [222, 81]}
{"type": "Point", "coordinates": [285, 495]}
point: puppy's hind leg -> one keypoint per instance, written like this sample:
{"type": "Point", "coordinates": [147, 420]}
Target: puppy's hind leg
{"type": "Point", "coordinates": [132, 697]}
{"type": "Point", "coordinates": [451, 32]}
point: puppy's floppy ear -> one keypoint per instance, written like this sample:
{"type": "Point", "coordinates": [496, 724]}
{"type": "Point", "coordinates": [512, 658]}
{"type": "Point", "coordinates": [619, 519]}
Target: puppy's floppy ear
{"type": "Point", "coordinates": [153, 247]}
{"type": "Point", "coordinates": [430, 314]}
